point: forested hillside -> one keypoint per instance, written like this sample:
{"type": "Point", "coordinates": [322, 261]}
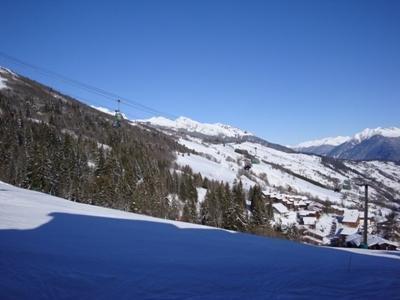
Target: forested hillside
{"type": "Point", "coordinates": [55, 144]}
{"type": "Point", "coordinates": [52, 143]}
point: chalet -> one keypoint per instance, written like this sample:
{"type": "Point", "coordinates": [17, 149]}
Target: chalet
{"type": "Point", "coordinates": [300, 204]}
{"type": "Point", "coordinates": [309, 222]}
{"type": "Point", "coordinates": [288, 203]}
{"type": "Point", "coordinates": [306, 213]}
{"type": "Point", "coordinates": [288, 220]}
{"type": "Point", "coordinates": [280, 209]}
{"type": "Point", "coordinates": [374, 242]}
{"type": "Point", "coordinates": [317, 207]}
{"type": "Point", "coordinates": [347, 231]}
{"type": "Point", "coordinates": [274, 197]}
{"type": "Point", "coordinates": [337, 210]}
{"type": "Point", "coordinates": [351, 218]}
{"type": "Point", "coordinates": [314, 237]}
{"type": "Point", "coordinates": [370, 219]}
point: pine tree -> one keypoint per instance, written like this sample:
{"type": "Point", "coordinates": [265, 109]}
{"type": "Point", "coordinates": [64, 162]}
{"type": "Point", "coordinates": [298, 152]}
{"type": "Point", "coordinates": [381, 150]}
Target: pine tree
{"type": "Point", "coordinates": [189, 213]}
{"type": "Point", "coordinates": [237, 210]}
{"type": "Point", "coordinates": [257, 206]}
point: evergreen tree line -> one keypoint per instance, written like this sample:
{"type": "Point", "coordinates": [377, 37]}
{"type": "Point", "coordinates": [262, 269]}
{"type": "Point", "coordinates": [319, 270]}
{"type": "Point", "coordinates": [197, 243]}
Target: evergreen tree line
{"type": "Point", "coordinates": [70, 150]}
{"type": "Point", "coordinates": [64, 148]}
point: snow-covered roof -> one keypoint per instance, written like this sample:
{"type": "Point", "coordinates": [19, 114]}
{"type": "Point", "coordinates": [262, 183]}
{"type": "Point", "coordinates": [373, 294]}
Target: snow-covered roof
{"type": "Point", "coordinates": [288, 219]}
{"type": "Point", "coordinates": [300, 203]}
{"type": "Point", "coordinates": [287, 201]}
{"type": "Point", "coordinates": [309, 220]}
{"type": "Point", "coordinates": [316, 204]}
{"type": "Point", "coordinates": [350, 216]}
{"type": "Point", "coordinates": [282, 209]}
{"type": "Point", "coordinates": [348, 230]}
{"type": "Point", "coordinates": [337, 207]}
{"type": "Point", "coordinates": [304, 213]}
{"type": "Point", "coordinates": [372, 240]}
{"type": "Point", "coordinates": [272, 195]}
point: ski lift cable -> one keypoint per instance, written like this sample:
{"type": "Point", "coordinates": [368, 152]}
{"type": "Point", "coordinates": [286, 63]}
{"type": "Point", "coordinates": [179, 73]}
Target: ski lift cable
{"type": "Point", "coordinates": [89, 88]}
{"type": "Point", "coordinates": [108, 95]}
{"type": "Point", "coordinates": [95, 104]}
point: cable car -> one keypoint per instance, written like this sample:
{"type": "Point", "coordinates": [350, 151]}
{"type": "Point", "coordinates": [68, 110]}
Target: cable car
{"type": "Point", "coordinates": [247, 165]}
{"type": "Point", "coordinates": [346, 184]}
{"type": "Point", "coordinates": [117, 117]}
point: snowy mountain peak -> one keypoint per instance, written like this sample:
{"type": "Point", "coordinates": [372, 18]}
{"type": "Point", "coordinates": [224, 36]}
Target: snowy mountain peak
{"type": "Point", "coordinates": [368, 133]}
{"type": "Point", "coordinates": [332, 141]}
{"type": "Point", "coordinates": [190, 125]}
{"type": "Point", "coordinates": [357, 138]}
{"type": "Point", "coordinates": [361, 146]}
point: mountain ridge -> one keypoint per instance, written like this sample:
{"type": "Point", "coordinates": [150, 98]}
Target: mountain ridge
{"type": "Point", "coordinates": [377, 143]}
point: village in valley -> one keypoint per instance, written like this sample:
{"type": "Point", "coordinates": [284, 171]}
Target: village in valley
{"type": "Point", "coordinates": [328, 225]}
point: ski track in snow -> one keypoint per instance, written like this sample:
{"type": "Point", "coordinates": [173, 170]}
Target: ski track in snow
{"type": "Point", "coordinates": [51, 248]}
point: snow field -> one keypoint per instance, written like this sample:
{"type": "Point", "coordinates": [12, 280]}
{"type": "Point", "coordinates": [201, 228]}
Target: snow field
{"type": "Point", "coordinates": [51, 248]}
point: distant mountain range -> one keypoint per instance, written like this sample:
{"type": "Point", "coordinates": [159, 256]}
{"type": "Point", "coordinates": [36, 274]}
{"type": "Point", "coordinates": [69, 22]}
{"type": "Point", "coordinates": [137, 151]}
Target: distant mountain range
{"type": "Point", "coordinates": [370, 144]}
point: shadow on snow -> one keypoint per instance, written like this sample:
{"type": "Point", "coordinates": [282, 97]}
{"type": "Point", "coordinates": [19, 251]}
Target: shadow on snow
{"type": "Point", "coordinates": [80, 256]}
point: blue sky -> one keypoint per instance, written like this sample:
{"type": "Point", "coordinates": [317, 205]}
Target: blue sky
{"type": "Point", "coordinates": [288, 71]}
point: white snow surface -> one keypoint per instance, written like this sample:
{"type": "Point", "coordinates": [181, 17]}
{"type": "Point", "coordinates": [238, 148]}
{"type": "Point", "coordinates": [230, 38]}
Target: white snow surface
{"type": "Point", "coordinates": [332, 141]}
{"type": "Point", "coordinates": [221, 162]}
{"type": "Point", "coordinates": [107, 111]}
{"type": "Point", "coordinates": [201, 194]}
{"type": "Point", "coordinates": [214, 163]}
{"type": "Point", "coordinates": [2, 82]}
{"type": "Point", "coordinates": [51, 248]}
{"type": "Point", "coordinates": [368, 133]}
{"type": "Point", "coordinates": [190, 125]}
{"type": "Point", "coordinates": [357, 138]}
{"type": "Point", "coordinates": [103, 109]}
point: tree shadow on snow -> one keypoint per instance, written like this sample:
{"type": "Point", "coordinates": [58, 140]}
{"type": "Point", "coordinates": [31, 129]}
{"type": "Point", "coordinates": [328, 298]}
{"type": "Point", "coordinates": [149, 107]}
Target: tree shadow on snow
{"type": "Point", "coordinates": [80, 256]}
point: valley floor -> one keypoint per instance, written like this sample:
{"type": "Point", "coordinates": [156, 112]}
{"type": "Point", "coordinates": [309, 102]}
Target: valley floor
{"type": "Point", "coordinates": [51, 248]}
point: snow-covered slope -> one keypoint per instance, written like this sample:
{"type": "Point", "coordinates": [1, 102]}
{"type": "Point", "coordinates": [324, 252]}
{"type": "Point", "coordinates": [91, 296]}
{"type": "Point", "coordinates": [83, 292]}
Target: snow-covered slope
{"type": "Point", "coordinates": [277, 170]}
{"type": "Point", "coordinates": [391, 132]}
{"type": "Point", "coordinates": [183, 123]}
{"type": "Point", "coordinates": [298, 173]}
{"type": "Point", "coordinates": [107, 111]}
{"type": "Point", "coordinates": [358, 137]}
{"type": "Point", "coordinates": [331, 141]}
{"type": "Point", "coordinates": [51, 248]}
{"type": "Point", "coordinates": [3, 80]}
{"type": "Point", "coordinates": [379, 143]}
